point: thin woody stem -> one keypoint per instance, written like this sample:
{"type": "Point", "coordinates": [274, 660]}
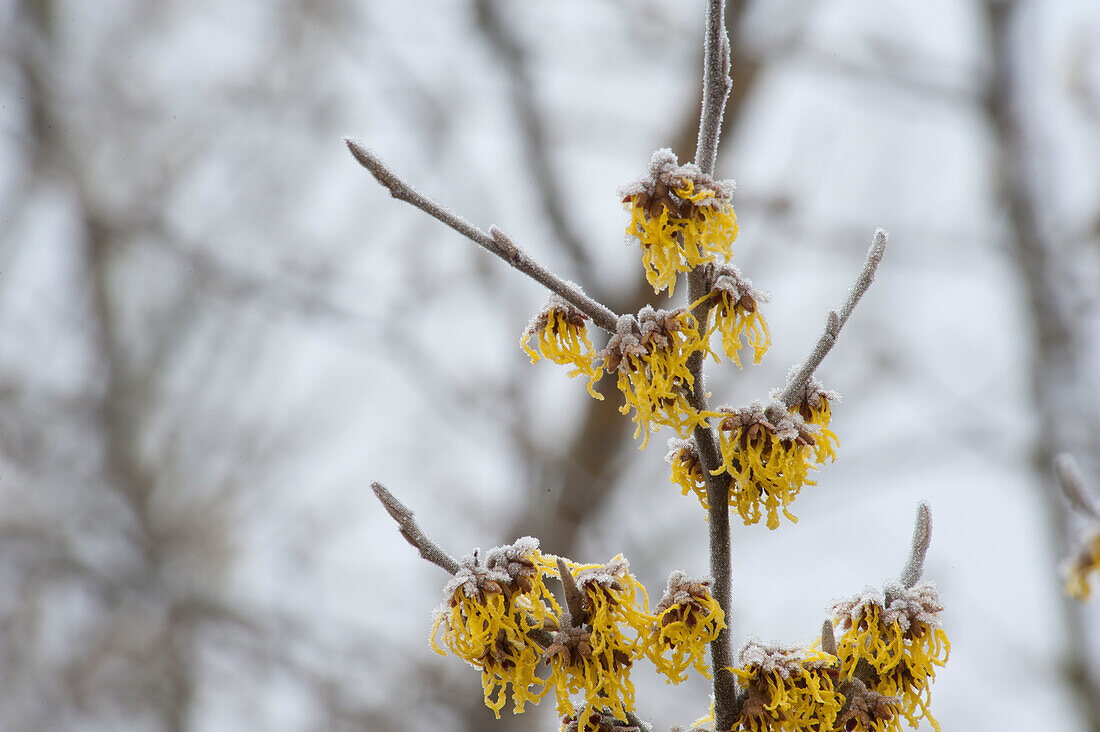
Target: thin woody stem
{"type": "Point", "coordinates": [716, 89]}
{"type": "Point", "coordinates": [716, 86]}
{"type": "Point", "coordinates": [495, 240]}
{"type": "Point", "coordinates": [412, 532]}
{"type": "Point", "coordinates": [429, 549]}
{"type": "Point", "coordinates": [922, 537]}
{"type": "Point", "coordinates": [828, 638]}
{"type": "Point", "coordinates": [792, 395]}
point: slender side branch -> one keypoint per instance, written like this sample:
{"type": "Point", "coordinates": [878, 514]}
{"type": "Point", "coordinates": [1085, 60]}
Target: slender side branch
{"type": "Point", "coordinates": [922, 537]}
{"type": "Point", "coordinates": [792, 394]}
{"type": "Point", "coordinates": [495, 240]}
{"type": "Point", "coordinates": [429, 549]}
{"type": "Point", "coordinates": [412, 532]}
{"type": "Point", "coordinates": [1073, 485]}
{"type": "Point", "coordinates": [866, 275]}
{"type": "Point", "coordinates": [716, 85]}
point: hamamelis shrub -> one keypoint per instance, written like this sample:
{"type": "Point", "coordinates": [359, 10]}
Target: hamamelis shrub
{"type": "Point", "coordinates": [538, 626]}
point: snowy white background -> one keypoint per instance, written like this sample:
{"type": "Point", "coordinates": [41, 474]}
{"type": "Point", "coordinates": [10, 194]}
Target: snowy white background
{"type": "Point", "coordinates": [215, 330]}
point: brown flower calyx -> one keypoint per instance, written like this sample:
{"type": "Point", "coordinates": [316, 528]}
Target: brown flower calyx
{"type": "Point", "coordinates": [606, 576]}
{"type": "Point", "coordinates": [571, 643]}
{"type": "Point", "coordinates": [556, 304]}
{"type": "Point", "coordinates": [783, 660]}
{"type": "Point", "coordinates": [662, 197]}
{"type": "Point", "coordinates": [728, 279]}
{"type": "Point", "coordinates": [574, 646]}
{"type": "Point", "coordinates": [863, 708]}
{"type": "Point", "coordinates": [813, 397]}
{"type": "Point", "coordinates": [506, 570]}
{"type": "Point", "coordinates": [772, 660]}
{"type": "Point", "coordinates": [685, 599]}
{"type": "Point", "coordinates": [595, 720]}
{"type": "Point", "coordinates": [775, 422]}
{"type": "Point", "coordinates": [686, 453]}
{"type": "Point", "coordinates": [914, 609]}
{"type": "Point", "coordinates": [638, 335]}
{"type": "Point", "coordinates": [657, 188]}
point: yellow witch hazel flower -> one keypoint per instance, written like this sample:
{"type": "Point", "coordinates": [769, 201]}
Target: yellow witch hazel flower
{"type": "Point", "coordinates": [769, 454]}
{"type": "Point", "coordinates": [787, 688]}
{"type": "Point", "coordinates": [814, 409]}
{"type": "Point", "coordinates": [687, 619]}
{"type": "Point", "coordinates": [650, 354]}
{"type": "Point", "coordinates": [595, 654]}
{"type": "Point", "coordinates": [490, 608]}
{"type": "Point", "coordinates": [687, 469]}
{"type": "Point", "coordinates": [736, 315]}
{"type": "Point", "coordinates": [563, 338]}
{"type": "Point", "coordinates": [1078, 568]}
{"type": "Point", "coordinates": [681, 217]}
{"type": "Point", "coordinates": [892, 642]}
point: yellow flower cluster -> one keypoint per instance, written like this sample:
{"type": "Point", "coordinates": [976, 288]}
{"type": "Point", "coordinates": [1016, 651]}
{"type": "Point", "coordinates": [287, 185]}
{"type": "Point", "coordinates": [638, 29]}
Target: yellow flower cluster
{"type": "Point", "coordinates": [877, 674]}
{"type": "Point", "coordinates": [788, 689]}
{"type": "Point", "coordinates": [650, 354]}
{"type": "Point", "coordinates": [597, 658]}
{"type": "Point", "coordinates": [897, 641]}
{"type": "Point", "coordinates": [563, 338]}
{"type": "Point", "coordinates": [500, 617]}
{"type": "Point", "coordinates": [1078, 569]}
{"type": "Point", "coordinates": [769, 455]}
{"type": "Point", "coordinates": [687, 469]}
{"type": "Point", "coordinates": [735, 314]}
{"type": "Point", "coordinates": [687, 619]}
{"type": "Point", "coordinates": [492, 607]}
{"type": "Point", "coordinates": [814, 409]}
{"type": "Point", "coordinates": [681, 217]}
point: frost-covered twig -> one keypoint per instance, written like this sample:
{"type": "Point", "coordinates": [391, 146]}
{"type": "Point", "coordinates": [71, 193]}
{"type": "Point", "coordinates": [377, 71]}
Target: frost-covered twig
{"type": "Point", "coordinates": [792, 394]}
{"type": "Point", "coordinates": [1073, 485]}
{"type": "Point", "coordinates": [828, 638]}
{"type": "Point", "coordinates": [495, 240]}
{"type": "Point", "coordinates": [412, 532]}
{"type": "Point", "coordinates": [922, 537]}
{"type": "Point", "coordinates": [716, 86]}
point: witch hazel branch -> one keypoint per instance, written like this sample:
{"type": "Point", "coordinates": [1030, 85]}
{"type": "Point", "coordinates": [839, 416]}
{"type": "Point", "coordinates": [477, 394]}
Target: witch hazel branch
{"type": "Point", "coordinates": [537, 625]}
